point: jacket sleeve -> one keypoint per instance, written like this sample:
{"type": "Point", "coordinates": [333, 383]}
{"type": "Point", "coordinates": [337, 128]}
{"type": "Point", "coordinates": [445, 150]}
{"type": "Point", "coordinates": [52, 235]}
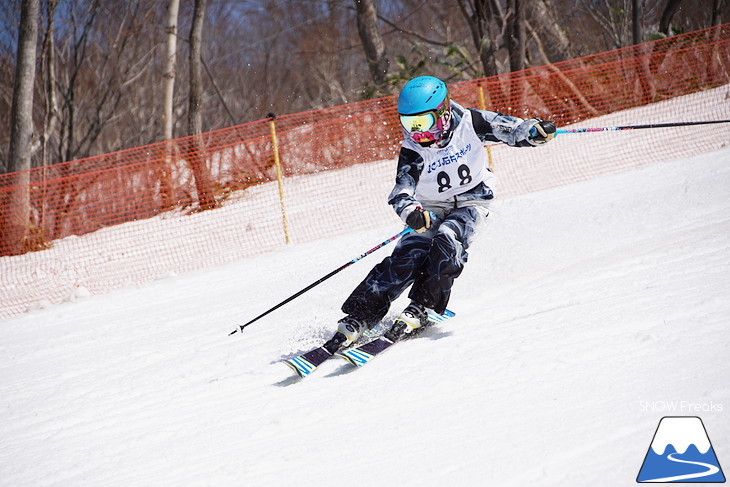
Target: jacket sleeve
{"type": "Point", "coordinates": [496, 127]}
{"type": "Point", "coordinates": [402, 198]}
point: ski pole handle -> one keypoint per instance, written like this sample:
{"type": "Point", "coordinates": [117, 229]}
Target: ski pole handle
{"type": "Point", "coordinates": [635, 127]}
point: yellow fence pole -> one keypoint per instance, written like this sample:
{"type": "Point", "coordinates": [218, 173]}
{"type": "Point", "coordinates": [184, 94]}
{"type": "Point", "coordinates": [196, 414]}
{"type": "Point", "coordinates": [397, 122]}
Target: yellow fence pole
{"type": "Point", "coordinates": [483, 106]}
{"type": "Point", "coordinates": [279, 177]}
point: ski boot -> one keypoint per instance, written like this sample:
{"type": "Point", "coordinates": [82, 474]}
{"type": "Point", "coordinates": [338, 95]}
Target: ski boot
{"type": "Point", "coordinates": [348, 331]}
{"type": "Point", "coordinates": [413, 317]}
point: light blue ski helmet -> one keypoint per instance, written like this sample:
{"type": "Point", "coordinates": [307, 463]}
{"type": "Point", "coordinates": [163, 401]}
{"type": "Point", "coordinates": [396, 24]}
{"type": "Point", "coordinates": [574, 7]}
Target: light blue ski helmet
{"type": "Point", "coordinates": [424, 110]}
{"type": "Point", "coordinates": [421, 95]}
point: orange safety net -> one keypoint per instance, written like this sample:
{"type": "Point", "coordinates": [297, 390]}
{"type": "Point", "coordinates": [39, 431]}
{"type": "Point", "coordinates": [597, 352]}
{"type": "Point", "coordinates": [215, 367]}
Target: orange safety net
{"type": "Point", "coordinates": [136, 215]}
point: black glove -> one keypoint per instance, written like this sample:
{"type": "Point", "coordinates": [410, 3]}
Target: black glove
{"type": "Point", "coordinates": [543, 131]}
{"type": "Point", "coordinates": [419, 220]}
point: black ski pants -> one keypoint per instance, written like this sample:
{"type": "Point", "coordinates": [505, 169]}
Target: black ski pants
{"type": "Point", "coordinates": [430, 261]}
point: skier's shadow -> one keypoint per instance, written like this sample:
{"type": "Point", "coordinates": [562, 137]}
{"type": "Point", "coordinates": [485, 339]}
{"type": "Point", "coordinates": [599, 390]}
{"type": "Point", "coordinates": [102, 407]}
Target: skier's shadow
{"type": "Point", "coordinates": [430, 332]}
{"type": "Point", "coordinates": [343, 369]}
{"type": "Point", "coordinates": [434, 335]}
{"type": "Point", "coordinates": [295, 379]}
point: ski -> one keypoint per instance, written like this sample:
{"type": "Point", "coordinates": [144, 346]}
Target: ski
{"type": "Point", "coordinates": [359, 356]}
{"type": "Point", "coordinates": [307, 363]}
{"type": "Point", "coordinates": [303, 365]}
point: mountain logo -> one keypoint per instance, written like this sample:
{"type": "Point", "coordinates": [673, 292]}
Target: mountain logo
{"type": "Point", "coordinates": [680, 452]}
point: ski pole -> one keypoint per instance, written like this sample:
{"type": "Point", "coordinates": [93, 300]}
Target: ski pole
{"type": "Point", "coordinates": [634, 127]}
{"type": "Point", "coordinates": [321, 280]}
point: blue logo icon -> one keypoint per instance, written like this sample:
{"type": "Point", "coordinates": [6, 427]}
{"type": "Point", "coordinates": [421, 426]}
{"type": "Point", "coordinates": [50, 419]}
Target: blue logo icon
{"type": "Point", "coordinates": [681, 452]}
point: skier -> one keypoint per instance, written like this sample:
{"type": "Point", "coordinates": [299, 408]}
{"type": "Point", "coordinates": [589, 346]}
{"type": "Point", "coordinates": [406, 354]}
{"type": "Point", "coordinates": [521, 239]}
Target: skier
{"type": "Point", "coordinates": [443, 188]}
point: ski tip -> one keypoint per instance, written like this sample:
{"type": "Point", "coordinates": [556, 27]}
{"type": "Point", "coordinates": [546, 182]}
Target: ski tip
{"type": "Point", "coordinates": [434, 317]}
{"type": "Point", "coordinates": [356, 357]}
{"type": "Point", "coordinates": [301, 366]}
{"type": "Point", "coordinates": [345, 357]}
{"type": "Point", "coordinates": [293, 368]}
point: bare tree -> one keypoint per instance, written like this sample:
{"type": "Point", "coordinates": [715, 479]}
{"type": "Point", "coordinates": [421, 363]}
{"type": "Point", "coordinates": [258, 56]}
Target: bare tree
{"type": "Point", "coordinates": [73, 55]}
{"type": "Point", "coordinates": [667, 14]}
{"type": "Point", "coordinates": [21, 115]}
{"type": "Point", "coordinates": [504, 32]}
{"type": "Point", "coordinates": [717, 11]}
{"type": "Point", "coordinates": [611, 17]}
{"type": "Point", "coordinates": [549, 35]}
{"type": "Point", "coordinates": [100, 58]}
{"type": "Point", "coordinates": [372, 41]}
{"type": "Point", "coordinates": [195, 122]}
{"type": "Point", "coordinates": [16, 217]}
{"type": "Point", "coordinates": [514, 27]}
{"type": "Point", "coordinates": [262, 56]}
{"type": "Point", "coordinates": [636, 24]}
{"type": "Point", "coordinates": [50, 100]}
{"type": "Point", "coordinates": [480, 16]}
{"type": "Point", "coordinates": [169, 74]}
{"type": "Point", "coordinates": [716, 17]}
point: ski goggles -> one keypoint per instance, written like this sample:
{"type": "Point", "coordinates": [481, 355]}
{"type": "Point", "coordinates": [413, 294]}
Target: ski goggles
{"type": "Point", "coordinates": [426, 121]}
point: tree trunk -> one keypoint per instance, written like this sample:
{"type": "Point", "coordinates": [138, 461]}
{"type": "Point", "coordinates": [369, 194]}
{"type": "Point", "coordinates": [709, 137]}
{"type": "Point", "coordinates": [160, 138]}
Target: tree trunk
{"type": "Point", "coordinates": [15, 212]}
{"type": "Point", "coordinates": [195, 122]}
{"type": "Point", "coordinates": [716, 13]}
{"type": "Point", "coordinates": [372, 41]}
{"type": "Point", "coordinates": [554, 39]}
{"type": "Point", "coordinates": [75, 51]}
{"type": "Point", "coordinates": [167, 187]}
{"type": "Point", "coordinates": [515, 38]}
{"type": "Point", "coordinates": [50, 102]}
{"type": "Point", "coordinates": [50, 116]}
{"type": "Point", "coordinates": [478, 15]}
{"type": "Point", "coordinates": [669, 10]}
{"type": "Point", "coordinates": [636, 22]}
{"type": "Point", "coordinates": [169, 76]}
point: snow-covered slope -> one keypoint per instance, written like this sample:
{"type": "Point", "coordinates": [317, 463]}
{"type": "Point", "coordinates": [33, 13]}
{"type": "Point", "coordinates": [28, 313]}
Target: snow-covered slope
{"type": "Point", "coordinates": [580, 308]}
